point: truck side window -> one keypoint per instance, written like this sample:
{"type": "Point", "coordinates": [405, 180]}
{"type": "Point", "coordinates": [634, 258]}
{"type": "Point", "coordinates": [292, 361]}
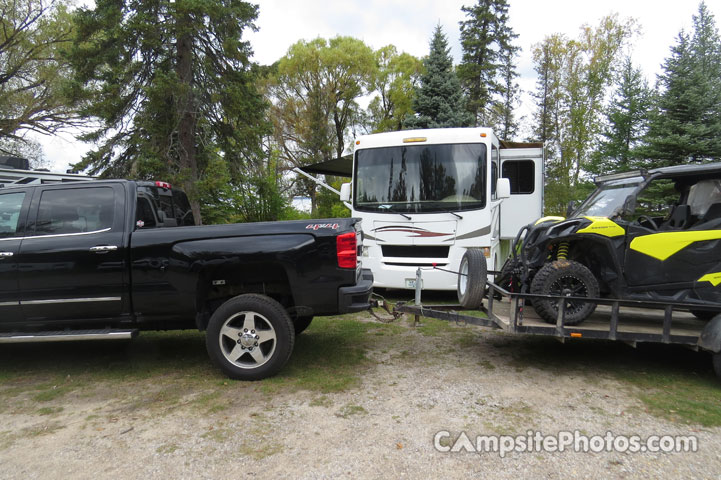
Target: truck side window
{"type": "Point", "coordinates": [521, 175]}
{"type": "Point", "coordinates": [144, 217]}
{"type": "Point", "coordinates": [75, 210]}
{"type": "Point", "coordinates": [10, 205]}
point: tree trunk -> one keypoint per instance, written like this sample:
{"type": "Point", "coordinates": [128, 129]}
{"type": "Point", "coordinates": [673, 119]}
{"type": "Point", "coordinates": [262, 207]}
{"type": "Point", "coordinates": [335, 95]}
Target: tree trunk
{"type": "Point", "coordinates": [186, 110]}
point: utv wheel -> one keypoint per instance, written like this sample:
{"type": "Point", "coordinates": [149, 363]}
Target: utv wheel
{"type": "Point", "coordinates": [472, 279]}
{"type": "Point", "coordinates": [564, 278]}
{"type": "Point", "coordinates": [301, 323]}
{"type": "Point", "coordinates": [250, 337]}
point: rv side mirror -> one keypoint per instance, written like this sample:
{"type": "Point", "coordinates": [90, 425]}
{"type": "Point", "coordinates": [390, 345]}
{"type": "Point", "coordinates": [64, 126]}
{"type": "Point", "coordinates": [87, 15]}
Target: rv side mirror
{"type": "Point", "coordinates": [345, 192]}
{"type": "Point", "coordinates": [503, 188]}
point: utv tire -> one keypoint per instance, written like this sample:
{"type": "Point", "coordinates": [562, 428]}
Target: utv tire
{"type": "Point", "coordinates": [301, 323]}
{"type": "Point", "coordinates": [472, 279]}
{"type": "Point", "coordinates": [564, 277]}
{"type": "Point", "coordinates": [250, 337]}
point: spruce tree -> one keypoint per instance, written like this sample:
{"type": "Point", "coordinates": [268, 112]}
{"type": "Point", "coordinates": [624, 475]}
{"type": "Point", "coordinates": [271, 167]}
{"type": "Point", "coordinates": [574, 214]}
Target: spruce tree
{"type": "Point", "coordinates": [487, 72]}
{"type": "Point", "coordinates": [171, 85]}
{"type": "Point", "coordinates": [626, 123]}
{"type": "Point", "coordinates": [685, 125]}
{"type": "Point", "coordinates": [439, 101]}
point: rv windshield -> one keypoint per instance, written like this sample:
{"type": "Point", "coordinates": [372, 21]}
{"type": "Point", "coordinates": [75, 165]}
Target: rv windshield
{"type": "Point", "coordinates": [421, 178]}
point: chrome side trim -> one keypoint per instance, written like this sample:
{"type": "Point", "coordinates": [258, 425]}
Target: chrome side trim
{"type": "Point", "coordinates": [70, 300]}
{"type": "Point", "coordinates": [66, 337]}
{"type": "Point", "coordinates": [9, 304]}
{"type": "Point", "coordinates": [57, 235]}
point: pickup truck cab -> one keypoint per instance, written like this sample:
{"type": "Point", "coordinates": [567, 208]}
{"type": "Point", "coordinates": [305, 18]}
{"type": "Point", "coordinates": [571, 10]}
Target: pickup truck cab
{"type": "Point", "coordinates": [106, 259]}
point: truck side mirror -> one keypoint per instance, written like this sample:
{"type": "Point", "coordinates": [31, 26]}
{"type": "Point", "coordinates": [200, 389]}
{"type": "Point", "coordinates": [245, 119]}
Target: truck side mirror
{"type": "Point", "coordinates": [503, 188]}
{"type": "Point", "coordinates": [345, 192]}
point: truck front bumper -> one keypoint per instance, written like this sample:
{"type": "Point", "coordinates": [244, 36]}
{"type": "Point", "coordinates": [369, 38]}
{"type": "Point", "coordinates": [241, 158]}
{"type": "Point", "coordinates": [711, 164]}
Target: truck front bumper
{"type": "Point", "coordinates": [356, 297]}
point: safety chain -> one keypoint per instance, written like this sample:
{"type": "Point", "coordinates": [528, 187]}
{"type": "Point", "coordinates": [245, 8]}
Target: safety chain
{"type": "Point", "coordinates": [394, 315]}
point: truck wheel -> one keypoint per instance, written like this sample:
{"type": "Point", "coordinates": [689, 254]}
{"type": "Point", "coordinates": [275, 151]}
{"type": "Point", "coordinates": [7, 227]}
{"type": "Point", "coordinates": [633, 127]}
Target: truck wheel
{"type": "Point", "coordinates": [301, 323]}
{"type": "Point", "coordinates": [472, 279]}
{"type": "Point", "coordinates": [717, 364]}
{"type": "Point", "coordinates": [564, 277]}
{"type": "Point", "coordinates": [250, 337]}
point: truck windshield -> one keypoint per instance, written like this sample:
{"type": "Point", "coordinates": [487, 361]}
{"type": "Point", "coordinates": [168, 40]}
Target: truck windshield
{"type": "Point", "coordinates": [421, 178]}
{"type": "Point", "coordinates": [608, 199]}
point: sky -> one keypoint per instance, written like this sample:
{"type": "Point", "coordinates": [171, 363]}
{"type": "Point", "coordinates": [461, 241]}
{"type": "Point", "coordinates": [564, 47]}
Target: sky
{"type": "Point", "coordinates": [409, 24]}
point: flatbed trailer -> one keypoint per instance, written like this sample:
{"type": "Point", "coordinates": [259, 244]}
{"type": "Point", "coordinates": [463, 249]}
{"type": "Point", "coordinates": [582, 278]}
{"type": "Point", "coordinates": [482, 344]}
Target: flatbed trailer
{"type": "Point", "coordinates": [627, 321]}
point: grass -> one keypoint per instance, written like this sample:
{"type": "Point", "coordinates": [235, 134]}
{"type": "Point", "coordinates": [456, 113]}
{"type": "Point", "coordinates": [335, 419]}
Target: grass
{"type": "Point", "coordinates": [671, 382]}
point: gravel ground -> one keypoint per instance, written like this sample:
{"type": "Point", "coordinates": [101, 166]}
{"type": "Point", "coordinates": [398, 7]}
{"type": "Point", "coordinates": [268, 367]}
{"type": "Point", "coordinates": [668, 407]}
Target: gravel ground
{"type": "Point", "coordinates": [415, 386]}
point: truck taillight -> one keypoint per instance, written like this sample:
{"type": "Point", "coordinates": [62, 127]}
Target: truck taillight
{"type": "Point", "coordinates": [346, 248]}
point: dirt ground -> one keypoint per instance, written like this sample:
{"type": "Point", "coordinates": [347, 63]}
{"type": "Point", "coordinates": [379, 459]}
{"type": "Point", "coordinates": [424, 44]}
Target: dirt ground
{"type": "Point", "coordinates": [358, 400]}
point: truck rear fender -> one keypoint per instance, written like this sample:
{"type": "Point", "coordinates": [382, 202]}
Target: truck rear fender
{"type": "Point", "coordinates": [230, 266]}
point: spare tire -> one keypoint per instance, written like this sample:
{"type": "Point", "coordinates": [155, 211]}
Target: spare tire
{"type": "Point", "coordinates": [561, 278]}
{"type": "Point", "coordinates": [472, 277]}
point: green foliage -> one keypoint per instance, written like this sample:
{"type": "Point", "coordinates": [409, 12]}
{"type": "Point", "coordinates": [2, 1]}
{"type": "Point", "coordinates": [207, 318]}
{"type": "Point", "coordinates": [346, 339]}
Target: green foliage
{"type": "Point", "coordinates": [397, 76]}
{"type": "Point", "coordinates": [329, 206]}
{"type": "Point", "coordinates": [625, 125]}
{"type": "Point", "coordinates": [439, 102]}
{"type": "Point", "coordinates": [487, 71]}
{"type": "Point", "coordinates": [686, 122]}
{"type": "Point", "coordinates": [314, 90]}
{"type": "Point", "coordinates": [573, 78]}
{"type": "Point", "coordinates": [32, 71]}
{"type": "Point", "coordinates": [171, 84]}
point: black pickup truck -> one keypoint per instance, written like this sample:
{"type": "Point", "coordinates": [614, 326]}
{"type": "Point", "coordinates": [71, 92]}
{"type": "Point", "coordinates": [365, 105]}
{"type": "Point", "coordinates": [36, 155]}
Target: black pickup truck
{"type": "Point", "coordinates": [99, 260]}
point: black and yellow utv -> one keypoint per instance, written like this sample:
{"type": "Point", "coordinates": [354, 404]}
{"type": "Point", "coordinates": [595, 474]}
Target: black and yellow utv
{"type": "Point", "coordinates": [644, 235]}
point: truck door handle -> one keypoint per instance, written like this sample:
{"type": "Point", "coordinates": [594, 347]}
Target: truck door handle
{"type": "Point", "coordinates": [103, 248]}
{"type": "Point", "coordinates": [5, 255]}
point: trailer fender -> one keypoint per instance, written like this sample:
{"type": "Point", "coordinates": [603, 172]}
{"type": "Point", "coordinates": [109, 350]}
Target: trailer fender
{"type": "Point", "coordinates": [710, 338]}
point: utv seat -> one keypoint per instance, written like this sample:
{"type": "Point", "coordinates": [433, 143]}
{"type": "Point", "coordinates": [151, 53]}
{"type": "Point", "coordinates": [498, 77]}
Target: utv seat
{"type": "Point", "coordinates": [680, 218]}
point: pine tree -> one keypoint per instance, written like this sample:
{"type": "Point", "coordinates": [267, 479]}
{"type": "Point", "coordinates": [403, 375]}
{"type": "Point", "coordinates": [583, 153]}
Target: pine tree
{"type": "Point", "coordinates": [439, 101]}
{"type": "Point", "coordinates": [171, 84]}
{"type": "Point", "coordinates": [487, 71]}
{"type": "Point", "coordinates": [685, 125]}
{"type": "Point", "coordinates": [626, 123]}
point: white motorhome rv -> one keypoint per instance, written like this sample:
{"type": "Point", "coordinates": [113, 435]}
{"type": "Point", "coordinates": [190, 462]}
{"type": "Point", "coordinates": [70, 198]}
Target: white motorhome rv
{"type": "Point", "coordinates": [426, 196]}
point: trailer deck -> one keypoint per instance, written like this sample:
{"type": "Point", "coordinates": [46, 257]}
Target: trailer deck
{"type": "Point", "coordinates": [628, 321]}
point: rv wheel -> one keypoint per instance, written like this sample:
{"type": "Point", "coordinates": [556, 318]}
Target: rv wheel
{"type": "Point", "coordinates": [472, 279]}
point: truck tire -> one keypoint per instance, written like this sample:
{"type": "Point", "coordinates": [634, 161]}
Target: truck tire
{"type": "Point", "coordinates": [717, 364]}
{"type": "Point", "coordinates": [301, 323]}
{"type": "Point", "coordinates": [472, 279]}
{"type": "Point", "coordinates": [250, 337]}
{"type": "Point", "coordinates": [564, 277]}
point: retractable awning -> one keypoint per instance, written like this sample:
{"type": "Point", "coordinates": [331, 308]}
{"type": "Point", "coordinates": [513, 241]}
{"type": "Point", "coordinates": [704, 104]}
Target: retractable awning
{"type": "Point", "coordinates": [340, 167]}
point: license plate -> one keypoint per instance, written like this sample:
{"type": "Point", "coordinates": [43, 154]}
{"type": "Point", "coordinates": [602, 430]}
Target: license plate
{"type": "Point", "coordinates": [411, 283]}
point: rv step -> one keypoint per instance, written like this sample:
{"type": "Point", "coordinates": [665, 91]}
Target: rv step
{"type": "Point", "coordinates": [67, 335]}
